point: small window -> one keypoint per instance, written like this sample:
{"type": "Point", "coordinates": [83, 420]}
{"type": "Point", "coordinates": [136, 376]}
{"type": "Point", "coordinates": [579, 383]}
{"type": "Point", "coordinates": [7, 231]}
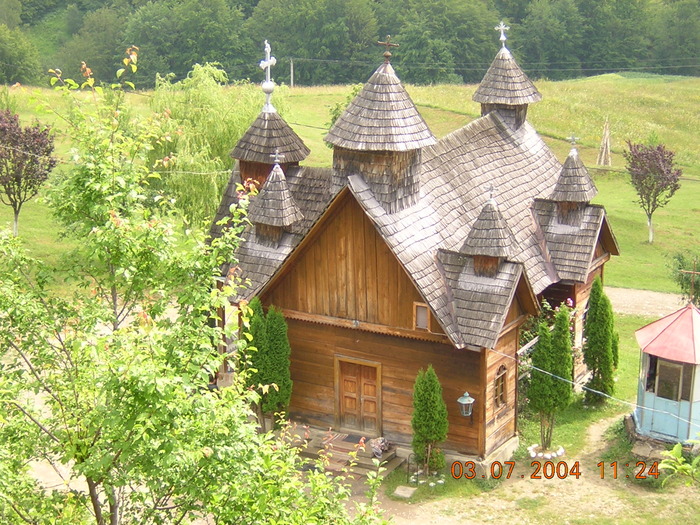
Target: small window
{"type": "Point", "coordinates": [421, 316]}
{"type": "Point", "coordinates": [669, 380]}
{"type": "Point", "coordinates": [499, 385]}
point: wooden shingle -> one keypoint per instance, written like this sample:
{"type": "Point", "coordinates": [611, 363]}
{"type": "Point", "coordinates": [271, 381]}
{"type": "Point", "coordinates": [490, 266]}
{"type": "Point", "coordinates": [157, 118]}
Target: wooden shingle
{"type": "Point", "coordinates": [505, 83]}
{"type": "Point", "coordinates": [274, 205]}
{"type": "Point", "coordinates": [382, 117]}
{"type": "Point", "coordinates": [489, 235]}
{"type": "Point", "coordinates": [267, 135]}
{"type": "Point", "coordinates": [574, 183]}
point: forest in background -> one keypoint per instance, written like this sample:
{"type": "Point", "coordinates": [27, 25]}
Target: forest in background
{"type": "Point", "coordinates": [334, 41]}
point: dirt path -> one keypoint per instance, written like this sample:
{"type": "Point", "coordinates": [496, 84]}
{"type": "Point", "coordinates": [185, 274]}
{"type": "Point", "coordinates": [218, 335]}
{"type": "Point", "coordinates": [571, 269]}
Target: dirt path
{"type": "Point", "coordinates": [588, 499]}
{"type": "Point", "coordinates": [643, 302]}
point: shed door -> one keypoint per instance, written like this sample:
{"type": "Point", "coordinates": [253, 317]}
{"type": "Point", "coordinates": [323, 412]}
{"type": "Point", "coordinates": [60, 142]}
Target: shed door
{"type": "Point", "coordinates": [358, 396]}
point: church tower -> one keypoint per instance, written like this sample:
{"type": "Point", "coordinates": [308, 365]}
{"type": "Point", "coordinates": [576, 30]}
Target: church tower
{"type": "Point", "coordinates": [506, 88]}
{"type": "Point", "coordinates": [380, 137]}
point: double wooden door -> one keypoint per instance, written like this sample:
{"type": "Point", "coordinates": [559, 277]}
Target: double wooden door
{"type": "Point", "coordinates": [359, 396]}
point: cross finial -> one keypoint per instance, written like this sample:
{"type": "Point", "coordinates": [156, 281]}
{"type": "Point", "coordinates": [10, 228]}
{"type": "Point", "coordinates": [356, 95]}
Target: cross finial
{"type": "Point", "coordinates": [491, 190]}
{"type": "Point", "coordinates": [573, 139]}
{"type": "Point", "coordinates": [277, 156]}
{"type": "Point", "coordinates": [502, 28]}
{"type": "Point", "coordinates": [388, 44]}
{"type": "Point", "coordinates": [268, 85]}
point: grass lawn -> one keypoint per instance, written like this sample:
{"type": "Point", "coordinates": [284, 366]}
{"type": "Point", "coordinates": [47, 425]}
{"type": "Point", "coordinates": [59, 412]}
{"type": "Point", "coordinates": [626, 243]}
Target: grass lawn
{"type": "Point", "coordinates": [638, 107]}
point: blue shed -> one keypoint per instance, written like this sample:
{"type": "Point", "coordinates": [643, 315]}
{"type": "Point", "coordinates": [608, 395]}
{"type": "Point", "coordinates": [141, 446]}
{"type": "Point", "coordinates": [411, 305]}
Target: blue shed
{"type": "Point", "coordinates": [668, 395]}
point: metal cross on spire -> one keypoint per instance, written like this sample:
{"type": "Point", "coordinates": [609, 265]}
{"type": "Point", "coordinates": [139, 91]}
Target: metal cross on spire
{"type": "Point", "coordinates": [268, 86]}
{"type": "Point", "coordinates": [573, 139]}
{"type": "Point", "coordinates": [277, 156]}
{"type": "Point", "coordinates": [492, 190]}
{"type": "Point", "coordinates": [502, 28]}
{"type": "Point", "coordinates": [388, 44]}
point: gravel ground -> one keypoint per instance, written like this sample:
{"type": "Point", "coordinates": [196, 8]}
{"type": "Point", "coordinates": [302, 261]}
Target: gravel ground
{"type": "Point", "coordinates": [643, 302]}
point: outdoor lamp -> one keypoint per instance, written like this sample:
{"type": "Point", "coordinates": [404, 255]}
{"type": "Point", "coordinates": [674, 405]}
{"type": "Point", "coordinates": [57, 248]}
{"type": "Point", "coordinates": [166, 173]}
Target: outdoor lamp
{"type": "Point", "coordinates": [466, 404]}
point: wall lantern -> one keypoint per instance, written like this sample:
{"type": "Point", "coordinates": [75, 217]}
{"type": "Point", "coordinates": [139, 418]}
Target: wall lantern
{"type": "Point", "coordinates": [466, 404]}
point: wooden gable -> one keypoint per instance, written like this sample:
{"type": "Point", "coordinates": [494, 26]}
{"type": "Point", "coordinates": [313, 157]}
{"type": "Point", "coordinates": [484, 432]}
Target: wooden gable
{"type": "Point", "coordinates": [344, 270]}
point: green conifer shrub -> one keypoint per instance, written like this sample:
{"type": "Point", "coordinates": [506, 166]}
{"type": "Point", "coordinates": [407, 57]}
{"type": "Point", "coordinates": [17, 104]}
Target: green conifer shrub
{"type": "Point", "coordinates": [429, 421]}
{"type": "Point", "coordinates": [598, 346]}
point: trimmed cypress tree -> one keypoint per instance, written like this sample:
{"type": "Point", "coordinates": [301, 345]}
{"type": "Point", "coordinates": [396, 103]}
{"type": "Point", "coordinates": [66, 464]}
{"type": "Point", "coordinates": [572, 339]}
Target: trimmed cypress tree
{"type": "Point", "coordinates": [598, 347]}
{"type": "Point", "coordinates": [269, 362]}
{"type": "Point", "coordinates": [276, 363]}
{"type": "Point", "coordinates": [258, 331]}
{"type": "Point", "coordinates": [429, 420]}
{"type": "Point", "coordinates": [549, 394]}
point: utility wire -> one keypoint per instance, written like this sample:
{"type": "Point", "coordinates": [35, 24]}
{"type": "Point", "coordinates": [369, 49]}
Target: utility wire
{"type": "Point", "coordinates": [598, 392]}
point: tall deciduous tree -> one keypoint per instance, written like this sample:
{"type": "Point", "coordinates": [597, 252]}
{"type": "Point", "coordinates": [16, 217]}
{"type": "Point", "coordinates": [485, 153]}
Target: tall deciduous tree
{"type": "Point", "coordinates": [429, 420]}
{"type": "Point", "coordinates": [122, 405]}
{"type": "Point", "coordinates": [25, 161]}
{"type": "Point", "coordinates": [598, 347]}
{"type": "Point", "coordinates": [19, 58]}
{"type": "Point", "coordinates": [654, 176]}
{"type": "Point", "coordinates": [205, 119]}
{"type": "Point", "coordinates": [550, 379]}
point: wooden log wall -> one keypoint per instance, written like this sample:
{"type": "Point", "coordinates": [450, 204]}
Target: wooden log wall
{"type": "Point", "coordinates": [314, 350]}
{"type": "Point", "coordinates": [500, 424]}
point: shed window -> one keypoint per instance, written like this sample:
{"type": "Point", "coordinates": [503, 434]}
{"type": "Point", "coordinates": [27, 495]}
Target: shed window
{"type": "Point", "coordinates": [499, 386]}
{"type": "Point", "coordinates": [669, 380]}
{"type": "Point", "coordinates": [421, 317]}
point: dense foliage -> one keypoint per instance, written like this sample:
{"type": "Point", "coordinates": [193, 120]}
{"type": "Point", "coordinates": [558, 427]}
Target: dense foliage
{"type": "Point", "coordinates": [654, 176]}
{"type": "Point", "coordinates": [550, 387]}
{"type": "Point", "coordinates": [109, 385]}
{"type": "Point", "coordinates": [269, 358]}
{"type": "Point", "coordinates": [203, 122]}
{"type": "Point", "coordinates": [599, 334]}
{"type": "Point", "coordinates": [332, 41]}
{"type": "Point", "coordinates": [25, 161]}
{"type": "Point", "coordinates": [685, 268]}
{"type": "Point", "coordinates": [429, 421]}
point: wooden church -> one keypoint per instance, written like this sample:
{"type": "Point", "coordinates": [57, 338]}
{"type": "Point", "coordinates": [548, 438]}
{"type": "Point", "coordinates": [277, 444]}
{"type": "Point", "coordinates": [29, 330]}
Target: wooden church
{"type": "Point", "coordinates": [413, 251]}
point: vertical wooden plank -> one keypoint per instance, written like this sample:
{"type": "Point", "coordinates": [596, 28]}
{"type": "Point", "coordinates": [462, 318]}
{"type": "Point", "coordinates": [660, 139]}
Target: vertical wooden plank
{"type": "Point", "coordinates": [352, 257]}
{"type": "Point", "coordinates": [370, 244]}
{"type": "Point", "coordinates": [320, 276]}
{"type": "Point", "coordinates": [341, 256]}
{"type": "Point", "coordinates": [480, 416]}
{"type": "Point", "coordinates": [383, 282]}
{"type": "Point", "coordinates": [393, 305]}
{"type": "Point", "coordinates": [360, 258]}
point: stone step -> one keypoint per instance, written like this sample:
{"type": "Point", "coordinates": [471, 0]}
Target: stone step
{"type": "Point", "coordinates": [390, 466]}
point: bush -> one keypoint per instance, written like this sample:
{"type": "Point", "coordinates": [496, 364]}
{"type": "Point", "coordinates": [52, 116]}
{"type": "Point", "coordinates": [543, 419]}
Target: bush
{"type": "Point", "coordinates": [429, 421]}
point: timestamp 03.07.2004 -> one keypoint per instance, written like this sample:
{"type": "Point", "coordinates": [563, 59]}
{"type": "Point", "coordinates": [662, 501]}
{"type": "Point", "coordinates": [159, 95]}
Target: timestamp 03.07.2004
{"type": "Point", "coordinates": [554, 470]}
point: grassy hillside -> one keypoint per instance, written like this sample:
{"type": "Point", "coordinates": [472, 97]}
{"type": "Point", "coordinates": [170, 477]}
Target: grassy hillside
{"type": "Point", "coordinates": [639, 107]}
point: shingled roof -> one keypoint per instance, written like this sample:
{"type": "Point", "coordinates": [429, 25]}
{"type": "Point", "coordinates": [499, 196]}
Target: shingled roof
{"type": "Point", "coordinates": [270, 134]}
{"type": "Point", "coordinates": [382, 117]}
{"type": "Point", "coordinates": [437, 237]}
{"type": "Point", "coordinates": [505, 83]}
{"type": "Point", "coordinates": [489, 235]}
{"type": "Point", "coordinates": [574, 183]}
{"type": "Point", "coordinates": [274, 205]}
